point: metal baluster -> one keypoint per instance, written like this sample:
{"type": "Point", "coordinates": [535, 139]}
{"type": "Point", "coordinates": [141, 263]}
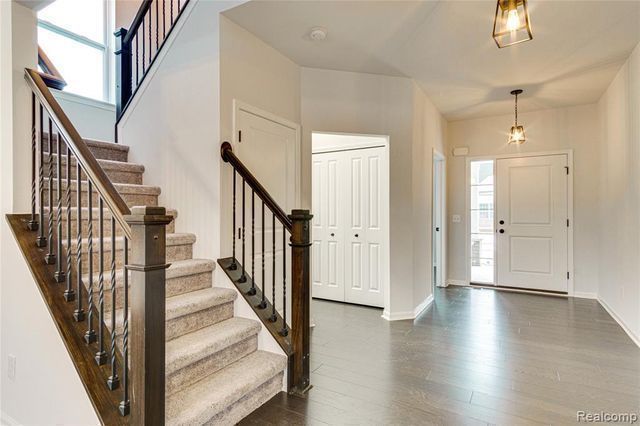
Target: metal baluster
{"type": "Point", "coordinates": [124, 404]}
{"type": "Point", "coordinates": [243, 277]}
{"type": "Point", "coordinates": [284, 331]}
{"type": "Point", "coordinates": [78, 314]}
{"type": "Point", "coordinates": [114, 381]}
{"type": "Point", "coordinates": [59, 274]}
{"type": "Point", "coordinates": [41, 241]}
{"type": "Point", "coordinates": [144, 57]}
{"type": "Point", "coordinates": [69, 293]}
{"type": "Point", "coordinates": [234, 265]}
{"type": "Point", "coordinates": [171, 1]}
{"type": "Point", "coordinates": [90, 335]}
{"type": "Point", "coordinates": [164, 20]}
{"type": "Point", "coordinates": [252, 290]}
{"type": "Point", "coordinates": [33, 223]}
{"type": "Point", "coordinates": [150, 50]}
{"type": "Point", "coordinates": [101, 355]}
{"type": "Point", "coordinates": [157, 27]}
{"type": "Point", "coordinates": [50, 258]}
{"type": "Point", "coordinates": [273, 316]}
{"type": "Point", "coordinates": [263, 302]}
{"type": "Point", "coordinates": [137, 51]}
{"type": "Point", "coordinates": [178, 6]}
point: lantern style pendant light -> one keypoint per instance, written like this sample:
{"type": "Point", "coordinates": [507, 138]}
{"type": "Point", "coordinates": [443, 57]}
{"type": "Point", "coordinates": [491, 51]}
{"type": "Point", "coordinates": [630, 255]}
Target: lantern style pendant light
{"type": "Point", "coordinates": [511, 24]}
{"type": "Point", "coordinates": [516, 135]}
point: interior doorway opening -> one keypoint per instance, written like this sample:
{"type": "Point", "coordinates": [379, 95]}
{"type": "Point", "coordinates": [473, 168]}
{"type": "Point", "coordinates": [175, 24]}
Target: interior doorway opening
{"type": "Point", "coordinates": [438, 234]}
{"type": "Point", "coordinates": [350, 226]}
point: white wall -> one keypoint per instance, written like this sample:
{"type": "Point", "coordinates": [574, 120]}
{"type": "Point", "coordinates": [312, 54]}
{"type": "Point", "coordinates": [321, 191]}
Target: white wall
{"type": "Point", "coordinates": [93, 119]}
{"type": "Point", "coordinates": [337, 101]}
{"type": "Point", "coordinates": [554, 129]}
{"type": "Point", "coordinates": [44, 372]}
{"type": "Point", "coordinates": [620, 196]}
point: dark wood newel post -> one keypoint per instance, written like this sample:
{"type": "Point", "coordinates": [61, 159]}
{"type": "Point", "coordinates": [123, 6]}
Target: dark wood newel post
{"type": "Point", "coordinates": [300, 299]}
{"type": "Point", "coordinates": [123, 70]}
{"type": "Point", "coordinates": [147, 264]}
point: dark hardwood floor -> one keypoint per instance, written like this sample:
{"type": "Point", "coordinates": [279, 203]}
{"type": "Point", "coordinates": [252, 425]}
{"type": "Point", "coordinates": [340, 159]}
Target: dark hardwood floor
{"type": "Point", "coordinates": [476, 356]}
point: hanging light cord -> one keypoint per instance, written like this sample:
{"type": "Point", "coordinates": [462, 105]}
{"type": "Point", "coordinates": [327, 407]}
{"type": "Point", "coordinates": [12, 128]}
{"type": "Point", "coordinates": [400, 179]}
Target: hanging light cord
{"type": "Point", "coordinates": [516, 109]}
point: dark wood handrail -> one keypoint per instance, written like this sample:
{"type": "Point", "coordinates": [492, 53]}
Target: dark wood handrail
{"type": "Point", "coordinates": [80, 150]}
{"type": "Point", "coordinates": [226, 151]}
{"type": "Point", "coordinates": [51, 75]}
{"type": "Point", "coordinates": [137, 20]}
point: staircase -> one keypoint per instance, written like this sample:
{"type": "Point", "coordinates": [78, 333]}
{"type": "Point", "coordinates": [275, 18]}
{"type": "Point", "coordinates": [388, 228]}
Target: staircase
{"type": "Point", "coordinates": [215, 373]}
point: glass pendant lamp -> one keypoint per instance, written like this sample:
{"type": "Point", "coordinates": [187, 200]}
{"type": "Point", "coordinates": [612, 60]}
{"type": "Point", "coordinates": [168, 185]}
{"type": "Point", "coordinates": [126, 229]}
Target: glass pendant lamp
{"type": "Point", "coordinates": [511, 24]}
{"type": "Point", "coordinates": [516, 135]}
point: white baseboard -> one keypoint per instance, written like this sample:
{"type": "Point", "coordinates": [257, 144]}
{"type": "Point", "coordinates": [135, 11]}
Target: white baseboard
{"type": "Point", "coordinates": [7, 420]}
{"type": "Point", "coordinates": [636, 339]}
{"type": "Point", "coordinates": [585, 295]}
{"type": "Point", "coordinates": [408, 315]}
{"type": "Point", "coordinates": [461, 283]}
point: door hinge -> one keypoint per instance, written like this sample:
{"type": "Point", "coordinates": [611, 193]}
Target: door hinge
{"type": "Point", "coordinates": [567, 275]}
{"type": "Point", "coordinates": [567, 169]}
{"type": "Point", "coordinates": [239, 135]}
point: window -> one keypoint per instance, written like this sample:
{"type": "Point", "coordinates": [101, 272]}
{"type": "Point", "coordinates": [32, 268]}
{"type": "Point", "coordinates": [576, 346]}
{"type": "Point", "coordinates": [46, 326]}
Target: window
{"type": "Point", "coordinates": [482, 225]}
{"type": "Point", "coordinates": [75, 34]}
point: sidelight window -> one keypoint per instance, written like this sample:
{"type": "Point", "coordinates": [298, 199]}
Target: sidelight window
{"type": "Point", "coordinates": [482, 221]}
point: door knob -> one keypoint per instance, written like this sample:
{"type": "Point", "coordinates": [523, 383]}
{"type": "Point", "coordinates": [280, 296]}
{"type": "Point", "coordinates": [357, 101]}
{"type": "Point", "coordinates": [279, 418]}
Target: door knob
{"type": "Point", "coordinates": [437, 229]}
{"type": "Point", "coordinates": [356, 235]}
{"type": "Point", "coordinates": [333, 235]}
{"type": "Point", "coordinates": [501, 231]}
{"type": "Point", "coordinates": [502, 222]}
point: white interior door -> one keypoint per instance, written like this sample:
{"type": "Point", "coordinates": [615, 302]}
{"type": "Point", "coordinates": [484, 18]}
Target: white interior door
{"type": "Point", "coordinates": [437, 233]}
{"type": "Point", "coordinates": [532, 222]}
{"type": "Point", "coordinates": [350, 253]}
{"type": "Point", "coordinates": [327, 262]}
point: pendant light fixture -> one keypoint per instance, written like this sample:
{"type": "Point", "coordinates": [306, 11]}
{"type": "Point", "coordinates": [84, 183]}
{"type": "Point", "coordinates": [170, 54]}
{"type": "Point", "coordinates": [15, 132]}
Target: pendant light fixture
{"type": "Point", "coordinates": [511, 24]}
{"type": "Point", "coordinates": [516, 135]}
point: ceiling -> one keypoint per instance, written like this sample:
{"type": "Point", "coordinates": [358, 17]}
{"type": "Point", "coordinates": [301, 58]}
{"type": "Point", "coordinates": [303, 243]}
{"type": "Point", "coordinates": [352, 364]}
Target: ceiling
{"type": "Point", "coordinates": [446, 46]}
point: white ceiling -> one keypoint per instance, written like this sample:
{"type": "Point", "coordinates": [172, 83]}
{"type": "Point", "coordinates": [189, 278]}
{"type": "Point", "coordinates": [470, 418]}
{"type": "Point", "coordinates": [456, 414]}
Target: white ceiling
{"type": "Point", "coordinates": [446, 46]}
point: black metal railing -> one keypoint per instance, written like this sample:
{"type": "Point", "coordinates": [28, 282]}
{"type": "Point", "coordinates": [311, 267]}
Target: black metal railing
{"type": "Point", "coordinates": [282, 301]}
{"type": "Point", "coordinates": [138, 46]}
{"type": "Point", "coordinates": [62, 164]}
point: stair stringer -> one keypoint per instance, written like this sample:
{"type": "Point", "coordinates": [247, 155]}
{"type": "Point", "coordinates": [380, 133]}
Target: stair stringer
{"type": "Point", "coordinates": [242, 309]}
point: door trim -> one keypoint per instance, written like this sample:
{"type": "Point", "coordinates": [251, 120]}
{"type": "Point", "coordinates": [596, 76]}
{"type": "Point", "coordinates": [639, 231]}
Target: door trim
{"type": "Point", "coordinates": [569, 154]}
{"type": "Point", "coordinates": [239, 106]}
{"type": "Point", "coordinates": [439, 156]}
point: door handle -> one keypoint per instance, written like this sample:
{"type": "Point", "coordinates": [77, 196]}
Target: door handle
{"type": "Point", "coordinates": [502, 222]}
{"type": "Point", "coordinates": [501, 231]}
{"type": "Point", "coordinates": [437, 229]}
{"type": "Point", "coordinates": [356, 235]}
{"type": "Point", "coordinates": [333, 235]}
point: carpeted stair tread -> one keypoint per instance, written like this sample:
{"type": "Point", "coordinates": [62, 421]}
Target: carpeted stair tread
{"type": "Point", "coordinates": [192, 347]}
{"type": "Point", "coordinates": [104, 163]}
{"type": "Point", "coordinates": [122, 188]}
{"type": "Point", "coordinates": [214, 394]}
{"type": "Point", "coordinates": [199, 300]}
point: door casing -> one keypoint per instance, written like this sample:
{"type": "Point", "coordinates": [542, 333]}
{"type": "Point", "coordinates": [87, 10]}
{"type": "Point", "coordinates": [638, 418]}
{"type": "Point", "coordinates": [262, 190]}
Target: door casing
{"type": "Point", "coordinates": [569, 154]}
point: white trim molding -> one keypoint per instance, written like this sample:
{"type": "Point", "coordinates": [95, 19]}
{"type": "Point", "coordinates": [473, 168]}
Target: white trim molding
{"type": "Point", "coordinates": [585, 295]}
{"type": "Point", "coordinates": [83, 100]}
{"type": "Point", "coordinates": [408, 315]}
{"type": "Point", "coordinates": [621, 323]}
{"type": "Point", "coordinates": [460, 283]}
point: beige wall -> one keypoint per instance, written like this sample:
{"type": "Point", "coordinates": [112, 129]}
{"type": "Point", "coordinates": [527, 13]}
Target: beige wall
{"type": "Point", "coordinates": [573, 128]}
{"type": "Point", "coordinates": [336, 101]}
{"type": "Point", "coordinates": [125, 12]}
{"type": "Point", "coordinates": [620, 195]}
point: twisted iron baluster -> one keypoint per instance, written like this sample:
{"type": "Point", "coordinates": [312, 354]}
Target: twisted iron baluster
{"type": "Point", "coordinates": [59, 274]}
{"type": "Point", "coordinates": [33, 223]}
{"type": "Point", "coordinates": [50, 258]}
{"type": "Point", "coordinates": [124, 404]}
{"type": "Point", "coordinates": [243, 277]}
{"type": "Point", "coordinates": [157, 27]}
{"type": "Point", "coordinates": [234, 264]}
{"type": "Point", "coordinates": [90, 335]}
{"type": "Point", "coordinates": [79, 312]}
{"type": "Point", "coordinates": [263, 302]}
{"type": "Point", "coordinates": [284, 331]}
{"type": "Point", "coordinates": [69, 293]}
{"type": "Point", "coordinates": [273, 316]}
{"type": "Point", "coordinates": [101, 355]}
{"type": "Point", "coordinates": [41, 241]}
{"type": "Point", "coordinates": [252, 290]}
{"type": "Point", "coordinates": [114, 380]}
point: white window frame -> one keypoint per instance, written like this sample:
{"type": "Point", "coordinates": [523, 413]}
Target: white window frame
{"type": "Point", "coordinates": [106, 47]}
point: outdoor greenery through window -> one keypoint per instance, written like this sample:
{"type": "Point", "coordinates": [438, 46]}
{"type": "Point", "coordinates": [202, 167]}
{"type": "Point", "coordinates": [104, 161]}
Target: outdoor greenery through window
{"type": "Point", "coordinates": [74, 34]}
{"type": "Point", "coordinates": [482, 224]}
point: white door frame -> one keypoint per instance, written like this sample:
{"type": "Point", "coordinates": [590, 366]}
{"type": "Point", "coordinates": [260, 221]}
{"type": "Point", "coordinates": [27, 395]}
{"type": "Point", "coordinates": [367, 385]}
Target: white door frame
{"type": "Point", "coordinates": [384, 143]}
{"type": "Point", "coordinates": [440, 157]}
{"type": "Point", "coordinates": [239, 106]}
{"type": "Point", "coordinates": [569, 154]}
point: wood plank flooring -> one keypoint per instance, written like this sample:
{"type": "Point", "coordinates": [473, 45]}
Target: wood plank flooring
{"type": "Point", "coordinates": [476, 356]}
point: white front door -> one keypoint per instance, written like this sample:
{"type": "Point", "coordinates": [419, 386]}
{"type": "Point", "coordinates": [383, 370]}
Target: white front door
{"type": "Point", "coordinates": [350, 248]}
{"type": "Point", "coordinates": [532, 223]}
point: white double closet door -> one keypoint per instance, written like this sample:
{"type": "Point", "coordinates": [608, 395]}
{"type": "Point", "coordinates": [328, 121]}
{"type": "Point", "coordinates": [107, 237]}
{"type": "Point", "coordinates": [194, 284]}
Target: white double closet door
{"type": "Point", "coordinates": [350, 253]}
{"type": "Point", "coordinates": [532, 222]}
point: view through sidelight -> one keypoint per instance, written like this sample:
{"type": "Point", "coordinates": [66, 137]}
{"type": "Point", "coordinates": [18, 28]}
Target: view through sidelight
{"type": "Point", "coordinates": [482, 222]}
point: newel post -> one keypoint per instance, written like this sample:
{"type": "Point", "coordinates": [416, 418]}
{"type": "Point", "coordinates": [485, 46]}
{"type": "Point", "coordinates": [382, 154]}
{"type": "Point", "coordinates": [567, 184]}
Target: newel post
{"type": "Point", "coordinates": [123, 71]}
{"type": "Point", "coordinates": [147, 265]}
{"type": "Point", "coordinates": [300, 299]}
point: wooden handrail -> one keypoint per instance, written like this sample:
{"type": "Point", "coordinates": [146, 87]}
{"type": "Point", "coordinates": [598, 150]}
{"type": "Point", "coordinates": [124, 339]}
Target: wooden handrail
{"type": "Point", "coordinates": [226, 151]}
{"type": "Point", "coordinates": [80, 150]}
{"type": "Point", "coordinates": [51, 75]}
{"type": "Point", "coordinates": [137, 20]}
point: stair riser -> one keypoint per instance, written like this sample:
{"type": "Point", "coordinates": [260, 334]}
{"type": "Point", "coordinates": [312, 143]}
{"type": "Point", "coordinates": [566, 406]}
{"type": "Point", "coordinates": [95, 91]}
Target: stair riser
{"type": "Point", "coordinates": [130, 199]}
{"type": "Point", "coordinates": [192, 373]}
{"type": "Point", "coordinates": [174, 287]}
{"type": "Point", "coordinates": [99, 152]}
{"type": "Point", "coordinates": [174, 253]}
{"type": "Point", "coordinates": [186, 324]}
{"type": "Point", "coordinates": [116, 176]}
